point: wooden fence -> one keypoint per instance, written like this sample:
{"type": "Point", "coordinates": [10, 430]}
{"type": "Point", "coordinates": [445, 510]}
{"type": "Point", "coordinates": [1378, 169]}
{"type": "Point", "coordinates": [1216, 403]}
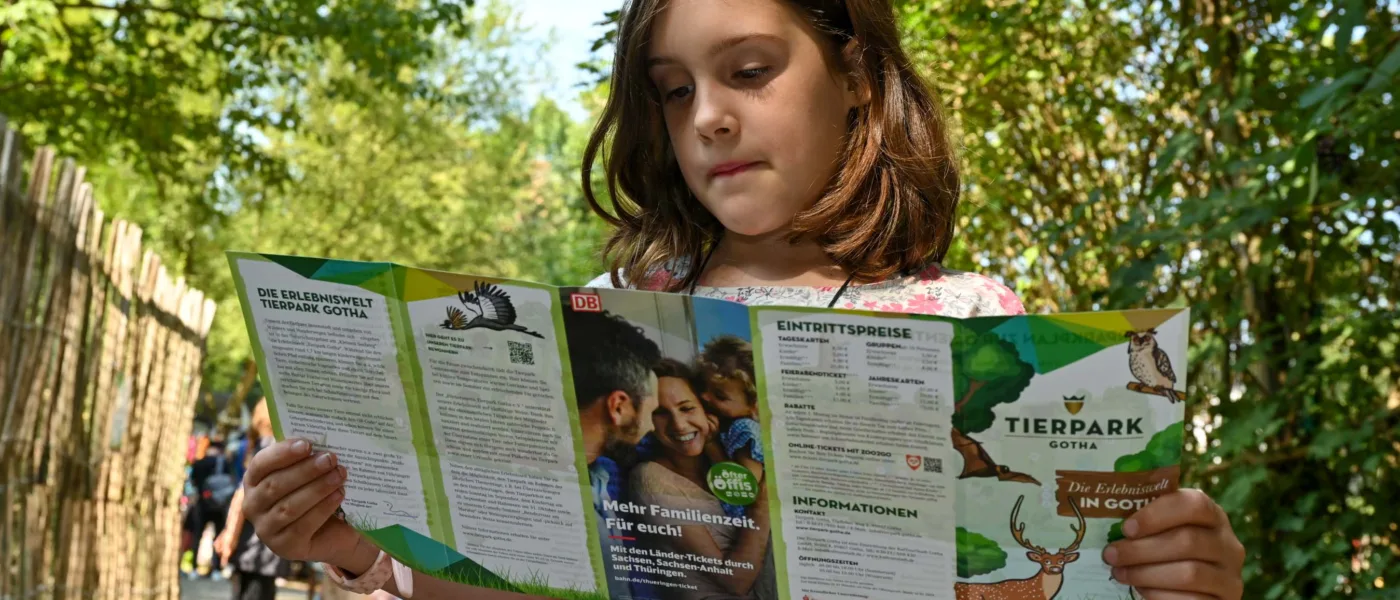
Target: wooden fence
{"type": "Point", "coordinates": [100, 360]}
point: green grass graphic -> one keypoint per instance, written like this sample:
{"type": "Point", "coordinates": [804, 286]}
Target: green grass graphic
{"type": "Point", "coordinates": [361, 522]}
{"type": "Point", "coordinates": [532, 583]}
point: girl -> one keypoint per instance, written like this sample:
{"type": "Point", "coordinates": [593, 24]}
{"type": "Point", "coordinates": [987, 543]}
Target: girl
{"type": "Point", "coordinates": [772, 152]}
{"type": "Point", "coordinates": [726, 371]}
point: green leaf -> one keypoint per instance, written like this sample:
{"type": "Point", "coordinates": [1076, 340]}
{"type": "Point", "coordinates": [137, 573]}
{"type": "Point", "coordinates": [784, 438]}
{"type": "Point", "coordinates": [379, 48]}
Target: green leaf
{"type": "Point", "coordinates": [1324, 91]}
{"type": "Point", "coordinates": [1291, 523]}
{"type": "Point", "coordinates": [1385, 72]}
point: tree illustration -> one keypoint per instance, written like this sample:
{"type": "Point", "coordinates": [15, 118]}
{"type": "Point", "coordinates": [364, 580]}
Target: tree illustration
{"type": "Point", "coordinates": [978, 555]}
{"type": "Point", "coordinates": [1163, 450]}
{"type": "Point", "coordinates": [987, 371]}
{"type": "Point", "coordinates": [1115, 532]}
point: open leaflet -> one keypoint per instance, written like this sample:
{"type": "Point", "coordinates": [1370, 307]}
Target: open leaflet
{"type": "Point", "coordinates": [599, 443]}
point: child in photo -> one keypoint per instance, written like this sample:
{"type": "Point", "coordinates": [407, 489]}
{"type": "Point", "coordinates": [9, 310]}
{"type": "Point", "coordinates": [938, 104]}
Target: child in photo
{"type": "Point", "coordinates": [726, 368]}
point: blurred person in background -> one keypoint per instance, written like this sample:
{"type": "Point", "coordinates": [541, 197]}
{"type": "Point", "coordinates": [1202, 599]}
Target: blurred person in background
{"type": "Point", "coordinates": [213, 481]}
{"type": "Point", "coordinates": [255, 567]}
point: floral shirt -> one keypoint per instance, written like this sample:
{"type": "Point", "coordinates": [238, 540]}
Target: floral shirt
{"type": "Point", "coordinates": [935, 291]}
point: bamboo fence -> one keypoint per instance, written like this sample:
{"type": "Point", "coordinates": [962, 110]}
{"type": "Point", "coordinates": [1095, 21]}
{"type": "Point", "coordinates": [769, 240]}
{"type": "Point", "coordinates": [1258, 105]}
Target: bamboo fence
{"type": "Point", "coordinates": [100, 360]}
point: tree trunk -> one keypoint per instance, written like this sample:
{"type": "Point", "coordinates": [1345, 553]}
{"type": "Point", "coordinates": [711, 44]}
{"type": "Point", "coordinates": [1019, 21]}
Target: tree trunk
{"type": "Point", "coordinates": [234, 410]}
{"type": "Point", "coordinates": [967, 397]}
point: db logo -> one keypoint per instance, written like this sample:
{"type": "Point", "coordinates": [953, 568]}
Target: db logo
{"type": "Point", "coordinates": [913, 461]}
{"type": "Point", "coordinates": [586, 303]}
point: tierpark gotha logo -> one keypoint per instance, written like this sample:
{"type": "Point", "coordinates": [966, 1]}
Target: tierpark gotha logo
{"type": "Point", "coordinates": [1074, 404]}
{"type": "Point", "coordinates": [491, 308]}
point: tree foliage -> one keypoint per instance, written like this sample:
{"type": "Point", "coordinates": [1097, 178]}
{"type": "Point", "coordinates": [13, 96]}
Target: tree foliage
{"type": "Point", "coordinates": [1115, 532]}
{"type": "Point", "coordinates": [978, 555]}
{"type": "Point", "coordinates": [1163, 450]}
{"type": "Point", "coordinates": [170, 83]}
{"type": "Point", "coordinates": [989, 372]}
{"type": "Point", "coordinates": [1236, 157]}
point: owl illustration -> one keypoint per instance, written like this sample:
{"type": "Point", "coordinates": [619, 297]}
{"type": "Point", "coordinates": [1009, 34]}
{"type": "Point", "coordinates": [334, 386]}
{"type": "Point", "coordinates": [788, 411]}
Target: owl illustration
{"type": "Point", "coordinates": [1149, 363]}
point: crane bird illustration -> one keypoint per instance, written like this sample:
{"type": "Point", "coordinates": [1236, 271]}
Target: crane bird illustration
{"type": "Point", "coordinates": [492, 307]}
{"type": "Point", "coordinates": [1150, 365]}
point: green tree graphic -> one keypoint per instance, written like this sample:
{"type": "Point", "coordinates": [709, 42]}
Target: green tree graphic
{"type": "Point", "coordinates": [1163, 450]}
{"type": "Point", "coordinates": [978, 555]}
{"type": "Point", "coordinates": [989, 372]}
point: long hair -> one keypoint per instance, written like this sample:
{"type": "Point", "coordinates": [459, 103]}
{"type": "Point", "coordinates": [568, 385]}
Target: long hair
{"type": "Point", "coordinates": [889, 208]}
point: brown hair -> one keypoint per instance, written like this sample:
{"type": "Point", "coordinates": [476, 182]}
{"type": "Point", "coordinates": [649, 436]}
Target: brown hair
{"type": "Point", "coordinates": [890, 207]}
{"type": "Point", "coordinates": [729, 357]}
{"type": "Point", "coordinates": [670, 367]}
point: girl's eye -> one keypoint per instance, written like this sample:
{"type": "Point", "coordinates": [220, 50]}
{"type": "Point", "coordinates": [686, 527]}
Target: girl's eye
{"type": "Point", "coordinates": [753, 73]}
{"type": "Point", "coordinates": [679, 93]}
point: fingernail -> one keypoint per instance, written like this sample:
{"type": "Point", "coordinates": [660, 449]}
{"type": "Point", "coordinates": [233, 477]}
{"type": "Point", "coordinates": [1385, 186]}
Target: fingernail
{"type": "Point", "coordinates": [325, 461]}
{"type": "Point", "coordinates": [1110, 555]}
{"type": "Point", "coordinates": [1119, 573]}
{"type": "Point", "coordinates": [335, 477]}
{"type": "Point", "coordinates": [335, 460]}
{"type": "Point", "coordinates": [301, 446]}
{"type": "Point", "coordinates": [344, 473]}
{"type": "Point", "coordinates": [1130, 528]}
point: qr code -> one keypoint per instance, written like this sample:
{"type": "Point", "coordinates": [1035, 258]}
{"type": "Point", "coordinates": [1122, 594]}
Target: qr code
{"type": "Point", "coordinates": [521, 353]}
{"type": "Point", "coordinates": [933, 465]}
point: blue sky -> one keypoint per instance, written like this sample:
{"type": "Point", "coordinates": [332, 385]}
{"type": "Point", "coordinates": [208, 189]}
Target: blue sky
{"type": "Point", "coordinates": [570, 26]}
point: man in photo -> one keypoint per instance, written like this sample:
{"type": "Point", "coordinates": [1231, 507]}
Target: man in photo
{"type": "Point", "coordinates": [616, 391]}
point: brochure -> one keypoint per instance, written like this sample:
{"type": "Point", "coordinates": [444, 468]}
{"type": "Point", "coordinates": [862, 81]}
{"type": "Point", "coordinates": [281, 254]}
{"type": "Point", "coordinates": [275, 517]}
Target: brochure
{"type": "Point", "coordinates": [619, 444]}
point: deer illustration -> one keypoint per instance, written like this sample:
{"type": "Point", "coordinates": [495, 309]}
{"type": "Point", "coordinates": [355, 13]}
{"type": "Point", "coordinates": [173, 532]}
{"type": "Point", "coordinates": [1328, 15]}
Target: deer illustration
{"type": "Point", "coordinates": [1046, 584]}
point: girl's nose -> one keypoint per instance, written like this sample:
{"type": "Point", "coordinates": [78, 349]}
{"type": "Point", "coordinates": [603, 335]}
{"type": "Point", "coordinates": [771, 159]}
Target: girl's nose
{"type": "Point", "coordinates": [713, 119]}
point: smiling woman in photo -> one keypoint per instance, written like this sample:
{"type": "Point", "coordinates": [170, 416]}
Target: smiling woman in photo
{"type": "Point", "coordinates": [674, 478]}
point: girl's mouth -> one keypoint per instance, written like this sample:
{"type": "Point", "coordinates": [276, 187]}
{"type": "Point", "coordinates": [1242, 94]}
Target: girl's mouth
{"type": "Point", "coordinates": [731, 168]}
{"type": "Point", "coordinates": [687, 437]}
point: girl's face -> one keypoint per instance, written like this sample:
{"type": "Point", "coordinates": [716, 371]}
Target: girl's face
{"type": "Point", "coordinates": [727, 398]}
{"type": "Point", "coordinates": [757, 115]}
{"type": "Point", "coordinates": [681, 424]}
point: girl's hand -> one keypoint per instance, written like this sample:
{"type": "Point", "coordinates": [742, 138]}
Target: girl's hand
{"type": "Point", "coordinates": [1179, 547]}
{"type": "Point", "coordinates": [290, 497]}
{"type": "Point", "coordinates": [714, 426]}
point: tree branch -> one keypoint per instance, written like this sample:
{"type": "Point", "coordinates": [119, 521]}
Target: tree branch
{"type": "Point", "coordinates": [134, 8]}
{"type": "Point", "coordinates": [972, 388]}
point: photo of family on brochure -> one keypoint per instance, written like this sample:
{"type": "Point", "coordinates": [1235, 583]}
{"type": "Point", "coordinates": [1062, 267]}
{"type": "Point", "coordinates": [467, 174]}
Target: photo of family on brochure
{"type": "Point", "coordinates": [668, 406]}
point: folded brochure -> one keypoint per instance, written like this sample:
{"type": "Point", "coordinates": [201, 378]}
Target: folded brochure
{"type": "Point", "coordinates": [600, 443]}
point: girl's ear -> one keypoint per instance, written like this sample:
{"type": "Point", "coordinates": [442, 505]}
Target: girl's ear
{"type": "Point", "coordinates": [858, 92]}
